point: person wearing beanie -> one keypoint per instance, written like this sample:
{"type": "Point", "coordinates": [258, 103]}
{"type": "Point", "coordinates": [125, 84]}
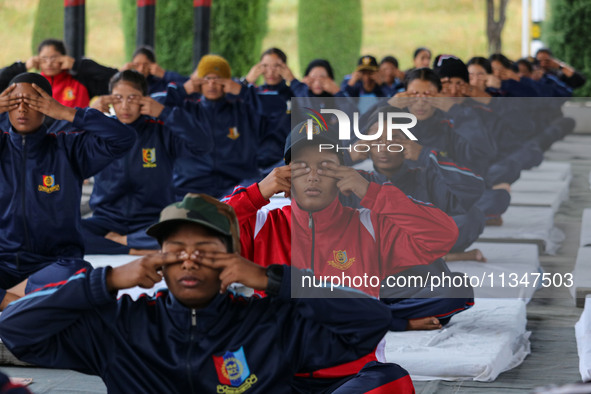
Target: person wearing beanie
{"type": "Point", "coordinates": [510, 157]}
{"type": "Point", "coordinates": [74, 81]}
{"type": "Point", "coordinates": [199, 335]}
{"type": "Point", "coordinates": [42, 170]}
{"type": "Point", "coordinates": [232, 114]}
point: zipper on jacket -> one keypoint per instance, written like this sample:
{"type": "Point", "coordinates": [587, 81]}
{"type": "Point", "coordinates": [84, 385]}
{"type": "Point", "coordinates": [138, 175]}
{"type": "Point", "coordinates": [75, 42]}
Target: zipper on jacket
{"type": "Point", "coordinates": [190, 347]}
{"type": "Point", "coordinates": [311, 226]}
{"type": "Point", "coordinates": [23, 193]}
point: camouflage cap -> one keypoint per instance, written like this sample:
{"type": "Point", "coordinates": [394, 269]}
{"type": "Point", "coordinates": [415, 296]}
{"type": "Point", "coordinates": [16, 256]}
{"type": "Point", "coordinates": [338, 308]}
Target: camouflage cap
{"type": "Point", "coordinates": [203, 210]}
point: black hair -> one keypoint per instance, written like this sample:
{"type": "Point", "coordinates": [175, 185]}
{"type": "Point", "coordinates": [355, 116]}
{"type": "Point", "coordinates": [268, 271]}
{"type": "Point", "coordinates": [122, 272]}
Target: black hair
{"type": "Point", "coordinates": [57, 44]}
{"type": "Point", "coordinates": [526, 63]}
{"type": "Point", "coordinates": [390, 59]}
{"type": "Point", "coordinates": [544, 50]}
{"type": "Point", "coordinates": [423, 74]}
{"type": "Point", "coordinates": [482, 62]}
{"type": "Point", "coordinates": [133, 77]}
{"type": "Point", "coordinates": [499, 57]}
{"type": "Point", "coordinates": [320, 63]}
{"type": "Point", "coordinates": [419, 50]}
{"type": "Point", "coordinates": [147, 51]}
{"type": "Point", "coordinates": [173, 227]}
{"type": "Point", "coordinates": [276, 51]}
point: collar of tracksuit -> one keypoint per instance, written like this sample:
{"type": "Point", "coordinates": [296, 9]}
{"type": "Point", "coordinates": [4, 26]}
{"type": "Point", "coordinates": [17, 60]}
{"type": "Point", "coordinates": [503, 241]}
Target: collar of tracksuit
{"type": "Point", "coordinates": [32, 139]}
{"type": "Point", "coordinates": [325, 220]}
{"type": "Point", "coordinates": [394, 179]}
{"type": "Point", "coordinates": [206, 318]}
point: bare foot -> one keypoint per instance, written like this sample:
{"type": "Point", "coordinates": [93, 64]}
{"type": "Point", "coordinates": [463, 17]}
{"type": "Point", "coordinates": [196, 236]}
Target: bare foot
{"type": "Point", "coordinates": [424, 323]}
{"type": "Point", "coordinates": [498, 221]}
{"type": "Point", "coordinates": [503, 185]}
{"type": "Point", "coordinates": [8, 298]}
{"type": "Point", "coordinates": [469, 255]}
{"type": "Point", "coordinates": [141, 252]}
{"type": "Point", "coordinates": [116, 237]}
{"type": "Point", "coordinates": [19, 289]}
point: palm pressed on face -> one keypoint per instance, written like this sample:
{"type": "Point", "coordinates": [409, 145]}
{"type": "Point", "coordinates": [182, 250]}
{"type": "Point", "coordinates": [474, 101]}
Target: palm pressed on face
{"type": "Point", "coordinates": [24, 119]}
{"type": "Point", "coordinates": [192, 283]}
{"type": "Point", "coordinates": [312, 191]}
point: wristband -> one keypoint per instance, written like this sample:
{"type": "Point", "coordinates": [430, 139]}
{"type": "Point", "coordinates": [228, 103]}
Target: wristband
{"type": "Point", "coordinates": [275, 274]}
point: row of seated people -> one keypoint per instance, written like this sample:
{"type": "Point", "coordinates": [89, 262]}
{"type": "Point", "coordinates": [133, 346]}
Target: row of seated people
{"type": "Point", "coordinates": [175, 135]}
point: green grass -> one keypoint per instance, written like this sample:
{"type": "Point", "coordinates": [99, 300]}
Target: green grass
{"type": "Point", "coordinates": [390, 28]}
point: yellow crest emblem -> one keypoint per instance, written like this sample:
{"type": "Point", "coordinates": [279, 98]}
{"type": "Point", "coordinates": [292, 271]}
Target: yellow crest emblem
{"type": "Point", "coordinates": [68, 94]}
{"type": "Point", "coordinates": [233, 134]}
{"type": "Point", "coordinates": [48, 184]}
{"type": "Point", "coordinates": [149, 157]}
{"type": "Point", "coordinates": [341, 260]}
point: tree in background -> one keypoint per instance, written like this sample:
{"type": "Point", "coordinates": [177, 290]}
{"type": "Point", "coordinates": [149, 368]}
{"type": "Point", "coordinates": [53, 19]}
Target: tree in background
{"type": "Point", "coordinates": [128, 25]}
{"type": "Point", "coordinates": [330, 30]}
{"type": "Point", "coordinates": [49, 22]}
{"type": "Point", "coordinates": [495, 21]}
{"type": "Point", "coordinates": [237, 31]}
{"type": "Point", "coordinates": [567, 35]}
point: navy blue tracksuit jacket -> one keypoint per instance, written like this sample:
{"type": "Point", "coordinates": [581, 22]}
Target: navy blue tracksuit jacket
{"type": "Point", "coordinates": [130, 192]}
{"type": "Point", "coordinates": [41, 176]}
{"type": "Point", "coordinates": [235, 124]}
{"type": "Point", "coordinates": [157, 345]}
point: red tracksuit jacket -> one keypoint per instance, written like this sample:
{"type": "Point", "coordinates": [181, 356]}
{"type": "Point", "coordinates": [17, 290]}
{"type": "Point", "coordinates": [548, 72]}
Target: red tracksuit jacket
{"type": "Point", "coordinates": [391, 233]}
{"type": "Point", "coordinates": [68, 91]}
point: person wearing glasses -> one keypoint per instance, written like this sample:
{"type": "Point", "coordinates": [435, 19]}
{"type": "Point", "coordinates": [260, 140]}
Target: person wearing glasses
{"type": "Point", "coordinates": [73, 81]}
{"type": "Point", "coordinates": [130, 192]}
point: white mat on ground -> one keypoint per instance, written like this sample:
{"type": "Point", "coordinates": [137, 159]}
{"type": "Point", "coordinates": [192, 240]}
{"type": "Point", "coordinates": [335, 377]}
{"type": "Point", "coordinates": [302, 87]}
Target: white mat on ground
{"type": "Point", "coordinates": [583, 335]}
{"type": "Point", "coordinates": [501, 275]}
{"type": "Point", "coordinates": [532, 185]}
{"type": "Point", "coordinates": [544, 176]}
{"type": "Point", "coordinates": [586, 228]}
{"type": "Point", "coordinates": [103, 260]}
{"type": "Point", "coordinates": [551, 166]}
{"type": "Point", "coordinates": [477, 344]}
{"type": "Point", "coordinates": [534, 224]}
{"type": "Point", "coordinates": [550, 199]}
{"type": "Point", "coordinates": [549, 170]}
{"type": "Point", "coordinates": [564, 150]}
{"type": "Point", "coordinates": [582, 273]}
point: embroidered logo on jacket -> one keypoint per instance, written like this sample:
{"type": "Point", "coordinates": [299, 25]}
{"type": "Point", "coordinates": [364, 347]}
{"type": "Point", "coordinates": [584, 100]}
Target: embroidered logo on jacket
{"type": "Point", "coordinates": [149, 157]}
{"type": "Point", "coordinates": [233, 372]}
{"type": "Point", "coordinates": [233, 134]}
{"type": "Point", "coordinates": [48, 185]}
{"type": "Point", "coordinates": [341, 261]}
{"type": "Point", "coordinates": [68, 94]}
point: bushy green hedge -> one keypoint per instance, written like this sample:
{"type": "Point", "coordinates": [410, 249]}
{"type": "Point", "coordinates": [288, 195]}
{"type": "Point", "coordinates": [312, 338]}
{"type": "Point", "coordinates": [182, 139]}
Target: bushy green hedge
{"type": "Point", "coordinates": [331, 30]}
{"type": "Point", "coordinates": [237, 31]}
{"type": "Point", "coordinates": [567, 34]}
{"type": "Point", "coordinates": [49, 22]}
{"type": "Point", "coordinates": [237, 28]}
